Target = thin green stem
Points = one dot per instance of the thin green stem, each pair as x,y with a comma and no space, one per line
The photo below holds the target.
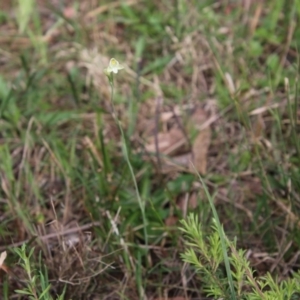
125,150
223,237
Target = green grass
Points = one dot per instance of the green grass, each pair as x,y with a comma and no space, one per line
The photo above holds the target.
62,162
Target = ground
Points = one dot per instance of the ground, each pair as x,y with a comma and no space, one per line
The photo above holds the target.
95,180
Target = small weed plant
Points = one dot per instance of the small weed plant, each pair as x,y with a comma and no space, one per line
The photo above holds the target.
36,286
205,254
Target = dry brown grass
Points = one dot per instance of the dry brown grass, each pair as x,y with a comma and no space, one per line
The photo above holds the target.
209,105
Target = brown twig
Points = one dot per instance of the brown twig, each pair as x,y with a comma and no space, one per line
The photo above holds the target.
52,235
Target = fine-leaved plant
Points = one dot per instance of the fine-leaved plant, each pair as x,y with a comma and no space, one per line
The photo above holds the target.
37,286
204,253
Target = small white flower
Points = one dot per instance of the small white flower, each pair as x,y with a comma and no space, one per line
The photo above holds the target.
114,66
